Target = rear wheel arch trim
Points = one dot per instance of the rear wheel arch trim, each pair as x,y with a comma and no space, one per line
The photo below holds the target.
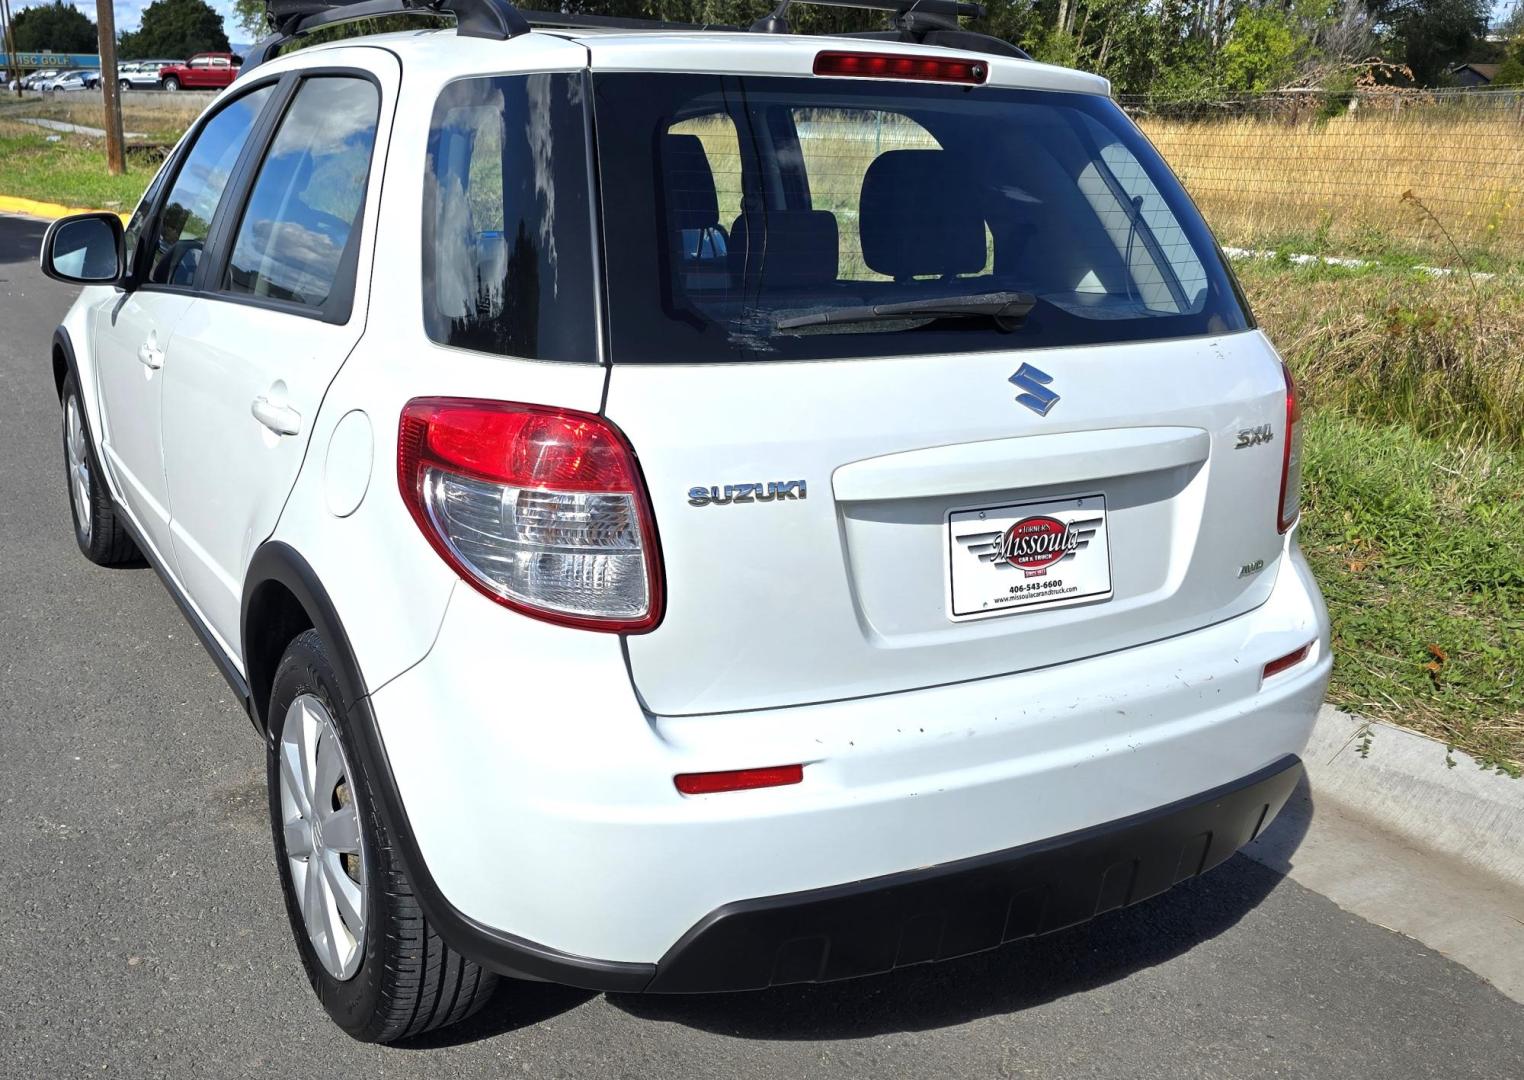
64,361
498,950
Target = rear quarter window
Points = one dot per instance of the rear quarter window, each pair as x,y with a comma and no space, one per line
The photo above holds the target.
507,219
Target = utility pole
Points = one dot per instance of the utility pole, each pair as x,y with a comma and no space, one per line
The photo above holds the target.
116,156
8,40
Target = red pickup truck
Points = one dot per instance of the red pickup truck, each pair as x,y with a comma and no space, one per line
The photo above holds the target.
204,71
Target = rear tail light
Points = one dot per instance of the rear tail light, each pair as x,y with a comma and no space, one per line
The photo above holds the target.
542,510
1291,460
898,66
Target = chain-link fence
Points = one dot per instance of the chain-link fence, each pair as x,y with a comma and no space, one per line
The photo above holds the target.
1435,176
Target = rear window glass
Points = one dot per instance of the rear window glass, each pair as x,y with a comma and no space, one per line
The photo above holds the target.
507,219
765,218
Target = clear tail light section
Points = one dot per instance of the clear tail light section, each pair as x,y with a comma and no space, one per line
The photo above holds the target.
1290,506
543,510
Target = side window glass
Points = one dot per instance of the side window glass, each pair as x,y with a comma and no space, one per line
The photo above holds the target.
307,197
198,188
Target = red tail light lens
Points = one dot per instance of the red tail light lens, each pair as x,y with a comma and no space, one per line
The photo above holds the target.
898,66
542,510
708,783
1290,506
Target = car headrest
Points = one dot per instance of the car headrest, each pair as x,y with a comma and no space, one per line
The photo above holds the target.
914,220
692,202
786,249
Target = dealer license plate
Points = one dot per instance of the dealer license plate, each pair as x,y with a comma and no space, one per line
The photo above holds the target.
1037,554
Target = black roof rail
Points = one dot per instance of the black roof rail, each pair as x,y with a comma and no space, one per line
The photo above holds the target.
922,22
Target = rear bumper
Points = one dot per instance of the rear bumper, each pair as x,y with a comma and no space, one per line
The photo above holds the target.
544,831
940,912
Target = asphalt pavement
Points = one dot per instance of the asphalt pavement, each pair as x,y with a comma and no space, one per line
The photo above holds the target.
142,932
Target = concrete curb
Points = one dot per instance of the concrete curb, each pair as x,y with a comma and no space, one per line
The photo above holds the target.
1403,785
14,204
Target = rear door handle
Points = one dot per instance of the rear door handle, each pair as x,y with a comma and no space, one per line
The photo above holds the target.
281,419
151,355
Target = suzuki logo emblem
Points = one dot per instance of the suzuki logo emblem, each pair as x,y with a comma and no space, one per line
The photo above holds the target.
1037,397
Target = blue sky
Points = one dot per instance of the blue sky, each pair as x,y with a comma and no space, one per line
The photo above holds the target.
130,12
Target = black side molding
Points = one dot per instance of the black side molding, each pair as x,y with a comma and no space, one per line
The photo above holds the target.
503,952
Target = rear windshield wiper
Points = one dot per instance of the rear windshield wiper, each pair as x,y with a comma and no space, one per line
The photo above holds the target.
1008,309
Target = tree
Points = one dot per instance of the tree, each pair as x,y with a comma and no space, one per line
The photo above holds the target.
1261,52
55,27
251,18
1431,36
1511,71
175,28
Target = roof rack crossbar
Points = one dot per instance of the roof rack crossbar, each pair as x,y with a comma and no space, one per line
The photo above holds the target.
497,20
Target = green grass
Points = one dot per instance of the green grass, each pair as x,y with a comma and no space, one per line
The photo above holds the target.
70,171
1419,547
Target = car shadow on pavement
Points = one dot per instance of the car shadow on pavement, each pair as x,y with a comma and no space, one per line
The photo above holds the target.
1015,977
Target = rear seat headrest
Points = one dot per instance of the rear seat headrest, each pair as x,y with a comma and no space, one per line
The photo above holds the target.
691,198
786,249
915,221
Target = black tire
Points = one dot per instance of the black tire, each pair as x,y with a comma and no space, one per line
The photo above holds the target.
101,534
171,83
123,85
409,981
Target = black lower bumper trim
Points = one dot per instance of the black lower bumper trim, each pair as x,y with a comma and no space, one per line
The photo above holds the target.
963,907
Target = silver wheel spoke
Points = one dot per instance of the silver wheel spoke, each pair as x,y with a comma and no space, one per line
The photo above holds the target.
330,770
291,779
298,839
341,832
346,895
313,910
305,736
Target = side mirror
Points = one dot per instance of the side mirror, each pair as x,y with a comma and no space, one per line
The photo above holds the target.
85,249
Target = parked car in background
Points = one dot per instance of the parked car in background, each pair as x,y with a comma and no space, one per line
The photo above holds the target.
139,73
35,80
203,71
73,80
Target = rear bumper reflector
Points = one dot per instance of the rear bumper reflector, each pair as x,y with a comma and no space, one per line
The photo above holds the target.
708,783
1290,660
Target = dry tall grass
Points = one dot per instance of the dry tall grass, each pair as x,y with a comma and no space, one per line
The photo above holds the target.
1338,185
1443,354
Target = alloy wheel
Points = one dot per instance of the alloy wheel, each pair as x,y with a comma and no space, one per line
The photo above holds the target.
321,826
77,454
